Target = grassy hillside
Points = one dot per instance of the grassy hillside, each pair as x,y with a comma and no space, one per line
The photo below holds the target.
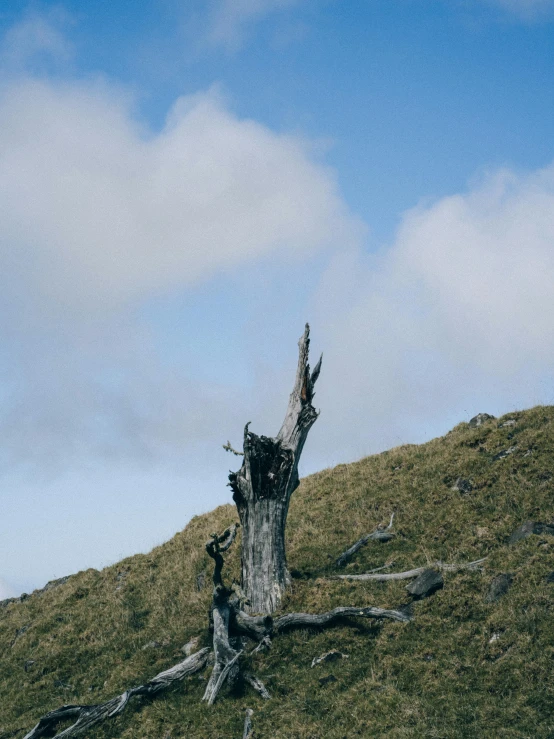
463,667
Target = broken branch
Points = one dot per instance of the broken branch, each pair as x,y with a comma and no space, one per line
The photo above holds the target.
385,577
309,620
89,716
380,534
247,733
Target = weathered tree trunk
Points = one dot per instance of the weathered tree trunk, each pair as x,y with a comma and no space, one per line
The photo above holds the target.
263,486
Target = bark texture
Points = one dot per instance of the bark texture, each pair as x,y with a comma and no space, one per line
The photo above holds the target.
321,620
408,574
263,486
247,732
88,716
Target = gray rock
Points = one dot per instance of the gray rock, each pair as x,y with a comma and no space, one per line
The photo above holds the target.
427,583
462,486
480,419
499,586
504,453
509,422
152,645
200,581
531,527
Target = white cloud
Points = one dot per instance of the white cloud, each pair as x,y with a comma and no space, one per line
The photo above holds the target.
6,590
100,211
456,317
99,215
229,18
36,37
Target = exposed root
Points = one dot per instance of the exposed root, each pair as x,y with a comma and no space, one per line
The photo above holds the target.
381,533
89,716
257,684
307,620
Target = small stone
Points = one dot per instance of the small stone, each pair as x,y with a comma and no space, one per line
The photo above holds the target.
504,453
494,637
509,422
331,656
28,664
462,486
151,645
426,584
328,679
200,581
499,586
480,419
531,527
191,646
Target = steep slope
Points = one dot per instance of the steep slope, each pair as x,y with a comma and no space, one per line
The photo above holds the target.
464,667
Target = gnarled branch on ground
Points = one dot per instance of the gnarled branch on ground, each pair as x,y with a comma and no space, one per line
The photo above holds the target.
408,574
89,716
381,533
247,732
309,620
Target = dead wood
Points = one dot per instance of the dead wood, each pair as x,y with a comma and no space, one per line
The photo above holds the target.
385,577
263,486
225,655
247,733
381,533
89,716
257,684
321,620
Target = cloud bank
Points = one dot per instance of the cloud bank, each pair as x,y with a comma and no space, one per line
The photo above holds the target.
456,316
100,211
101,215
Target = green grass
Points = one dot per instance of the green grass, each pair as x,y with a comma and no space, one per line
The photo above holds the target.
438,676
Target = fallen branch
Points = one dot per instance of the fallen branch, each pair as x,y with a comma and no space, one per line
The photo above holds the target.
385,577
381,533
89,716
257,684
247,733
310,620
217,681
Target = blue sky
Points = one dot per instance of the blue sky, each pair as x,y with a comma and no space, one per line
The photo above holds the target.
183,185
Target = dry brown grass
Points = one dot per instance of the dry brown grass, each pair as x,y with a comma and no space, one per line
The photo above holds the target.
439,676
